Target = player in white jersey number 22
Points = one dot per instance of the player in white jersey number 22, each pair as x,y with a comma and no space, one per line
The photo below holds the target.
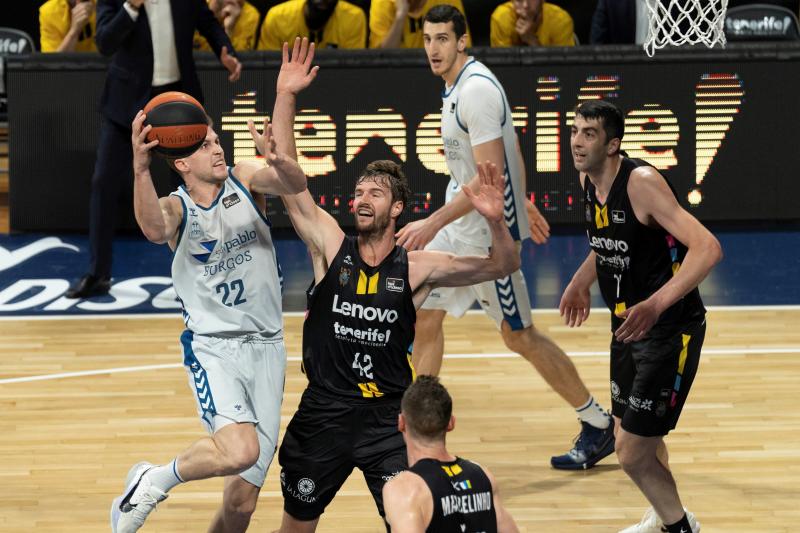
226,275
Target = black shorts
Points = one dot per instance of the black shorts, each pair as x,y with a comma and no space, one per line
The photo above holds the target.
651,378
328,437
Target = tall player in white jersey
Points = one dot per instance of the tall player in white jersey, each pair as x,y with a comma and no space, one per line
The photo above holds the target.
226,275
477,126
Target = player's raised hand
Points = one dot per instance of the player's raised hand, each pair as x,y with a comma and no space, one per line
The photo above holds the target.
296,71
575,305
488,201
141,147
265,142
540,229
267,146
231,64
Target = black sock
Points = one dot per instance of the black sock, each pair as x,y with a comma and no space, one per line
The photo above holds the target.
681,526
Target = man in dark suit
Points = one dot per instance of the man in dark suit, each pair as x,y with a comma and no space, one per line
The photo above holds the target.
150,42
615,22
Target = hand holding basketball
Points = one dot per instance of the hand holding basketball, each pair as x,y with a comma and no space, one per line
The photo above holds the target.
141,147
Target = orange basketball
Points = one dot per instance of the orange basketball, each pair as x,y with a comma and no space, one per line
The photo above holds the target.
179,123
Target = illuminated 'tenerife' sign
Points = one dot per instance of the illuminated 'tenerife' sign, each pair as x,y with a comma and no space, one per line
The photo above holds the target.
652,131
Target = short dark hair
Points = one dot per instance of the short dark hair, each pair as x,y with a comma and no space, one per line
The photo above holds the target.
427,407
609,115
388,173
446,13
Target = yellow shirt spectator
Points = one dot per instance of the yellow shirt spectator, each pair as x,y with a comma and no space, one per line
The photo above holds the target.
243,32
346,27
382,14
67,26
555,27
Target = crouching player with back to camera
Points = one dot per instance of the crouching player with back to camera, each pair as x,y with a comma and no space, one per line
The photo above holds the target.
648,255
440,493
226,274
360,320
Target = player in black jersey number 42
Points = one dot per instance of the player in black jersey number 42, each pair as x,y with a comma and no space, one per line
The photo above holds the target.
360,320
440,493
648,255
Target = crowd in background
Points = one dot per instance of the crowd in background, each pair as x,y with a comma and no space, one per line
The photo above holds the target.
69,25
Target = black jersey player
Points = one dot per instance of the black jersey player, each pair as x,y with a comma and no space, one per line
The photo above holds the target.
440,492
648,255
360,320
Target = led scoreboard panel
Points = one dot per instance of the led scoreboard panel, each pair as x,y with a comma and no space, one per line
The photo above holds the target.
720,128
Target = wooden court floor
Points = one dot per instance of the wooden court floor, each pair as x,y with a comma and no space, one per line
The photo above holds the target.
67,442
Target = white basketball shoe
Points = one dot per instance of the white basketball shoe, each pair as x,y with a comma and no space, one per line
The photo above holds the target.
651,523
131,508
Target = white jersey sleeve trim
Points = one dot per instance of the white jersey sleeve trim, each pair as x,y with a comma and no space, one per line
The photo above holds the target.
182,227
249,196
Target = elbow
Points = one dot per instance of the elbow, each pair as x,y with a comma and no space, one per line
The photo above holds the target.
300,187
154,235
715,250
103,45
510,263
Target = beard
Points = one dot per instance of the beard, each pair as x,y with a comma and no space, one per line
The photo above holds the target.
374,228
318,13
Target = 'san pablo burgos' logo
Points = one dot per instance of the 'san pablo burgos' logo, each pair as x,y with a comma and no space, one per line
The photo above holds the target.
228,255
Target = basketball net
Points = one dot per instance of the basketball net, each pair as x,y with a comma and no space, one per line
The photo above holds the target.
685,22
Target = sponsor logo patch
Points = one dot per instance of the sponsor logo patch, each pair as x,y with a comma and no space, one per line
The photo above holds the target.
231,200
395,284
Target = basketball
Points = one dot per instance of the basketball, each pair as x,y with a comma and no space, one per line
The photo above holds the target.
179,123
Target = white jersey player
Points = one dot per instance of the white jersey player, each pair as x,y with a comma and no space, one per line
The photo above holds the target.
477,126
227,277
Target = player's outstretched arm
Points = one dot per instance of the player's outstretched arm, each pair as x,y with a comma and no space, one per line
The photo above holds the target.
653,201
159,219
318,229
449,270
505,523
576,301
417,234
403,499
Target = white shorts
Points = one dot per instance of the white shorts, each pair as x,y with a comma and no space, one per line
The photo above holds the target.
238,379
503,299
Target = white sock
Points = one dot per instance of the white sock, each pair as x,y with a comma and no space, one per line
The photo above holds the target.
593,414
165,476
